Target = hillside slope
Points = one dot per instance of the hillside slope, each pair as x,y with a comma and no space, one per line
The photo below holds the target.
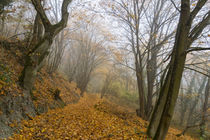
15,103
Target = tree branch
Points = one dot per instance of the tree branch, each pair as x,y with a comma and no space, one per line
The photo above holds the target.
175,6
197,49
195,11
196,31
196,71
64,11
126,66
47,24
40,10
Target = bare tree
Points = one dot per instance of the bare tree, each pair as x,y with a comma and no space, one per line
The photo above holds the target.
145,45
109,77
204,110
186,34
160,31
86,54
193,116
60,42
36,56
57,52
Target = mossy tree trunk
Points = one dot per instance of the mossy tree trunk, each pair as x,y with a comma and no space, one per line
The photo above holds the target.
141,91
204,111
185,36
35,57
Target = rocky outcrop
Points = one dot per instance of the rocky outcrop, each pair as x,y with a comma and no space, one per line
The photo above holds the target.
13,110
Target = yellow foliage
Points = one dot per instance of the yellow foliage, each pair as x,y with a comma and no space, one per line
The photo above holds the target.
91,118
193,4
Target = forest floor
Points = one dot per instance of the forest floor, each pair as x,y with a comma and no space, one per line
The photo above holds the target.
89,119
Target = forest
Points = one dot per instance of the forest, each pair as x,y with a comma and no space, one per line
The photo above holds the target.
105,69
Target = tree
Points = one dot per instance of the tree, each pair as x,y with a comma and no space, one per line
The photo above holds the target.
3,4
144,45
194,103
204,110
109,78
130,13
86,54
160,31
38,31
56,53
186,34
60,42
35,57
186,99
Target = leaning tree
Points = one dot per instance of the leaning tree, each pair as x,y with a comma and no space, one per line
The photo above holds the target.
188,30
39,51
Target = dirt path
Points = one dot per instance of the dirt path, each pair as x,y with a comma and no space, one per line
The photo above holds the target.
90,119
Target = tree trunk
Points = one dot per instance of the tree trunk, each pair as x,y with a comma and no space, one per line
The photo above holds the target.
141,94
56,53
36,56
38,31
33,63
103,91
82,85
107,82
185,36
3,22
204,112
156,115
169,91
151,72
172,94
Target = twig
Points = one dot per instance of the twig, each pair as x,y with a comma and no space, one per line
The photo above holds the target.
175,6
18,34
197,71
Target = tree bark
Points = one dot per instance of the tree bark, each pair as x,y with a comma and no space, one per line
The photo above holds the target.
33,63
204,111
142,99
151,72
164,109
38,31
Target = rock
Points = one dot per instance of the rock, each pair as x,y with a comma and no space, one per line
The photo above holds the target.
14,109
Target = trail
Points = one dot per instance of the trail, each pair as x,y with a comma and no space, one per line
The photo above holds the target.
90,119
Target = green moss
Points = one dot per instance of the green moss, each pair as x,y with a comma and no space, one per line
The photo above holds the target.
5,73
